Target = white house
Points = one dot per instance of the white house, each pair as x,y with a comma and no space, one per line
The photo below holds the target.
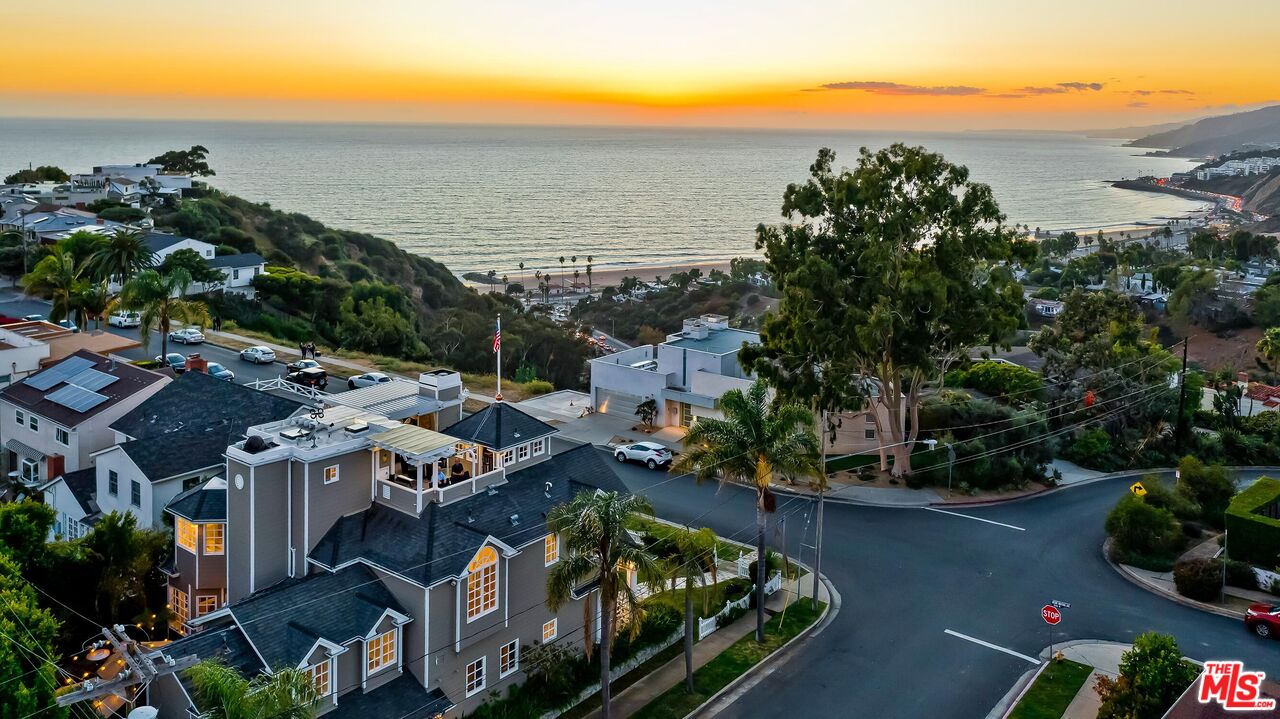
20,356
72,497
239,270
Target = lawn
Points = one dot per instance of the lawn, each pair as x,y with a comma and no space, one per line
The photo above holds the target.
725,550
732,663
1054,689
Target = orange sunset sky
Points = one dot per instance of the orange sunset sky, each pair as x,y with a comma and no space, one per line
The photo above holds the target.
904,64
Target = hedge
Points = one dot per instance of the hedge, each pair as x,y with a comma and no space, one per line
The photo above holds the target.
1251,536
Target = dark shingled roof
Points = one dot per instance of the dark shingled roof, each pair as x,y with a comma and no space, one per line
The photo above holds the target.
178,453
83,484
441,541
129,381
285,620
244,259
401,698
499,426
202,503
197,401
220,639
158,241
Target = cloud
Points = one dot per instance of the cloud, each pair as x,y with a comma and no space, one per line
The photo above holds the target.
1008,95
1137,103
894,88
1060,88
1145,93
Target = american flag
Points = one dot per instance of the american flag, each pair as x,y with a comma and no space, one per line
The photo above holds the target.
497,339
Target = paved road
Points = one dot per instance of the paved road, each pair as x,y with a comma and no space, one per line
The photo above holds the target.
907,575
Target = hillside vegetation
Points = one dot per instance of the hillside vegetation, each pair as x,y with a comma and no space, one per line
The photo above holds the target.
360,292
1218,135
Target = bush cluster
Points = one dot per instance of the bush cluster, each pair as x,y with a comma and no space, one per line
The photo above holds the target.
1199,579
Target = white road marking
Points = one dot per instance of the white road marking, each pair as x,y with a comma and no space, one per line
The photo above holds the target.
989,645
976,519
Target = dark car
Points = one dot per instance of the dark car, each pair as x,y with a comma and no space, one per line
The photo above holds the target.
299,365
1263,620
174,361
313,377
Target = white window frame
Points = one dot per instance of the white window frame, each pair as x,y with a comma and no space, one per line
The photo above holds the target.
509,658
181,610
384,661
62,436
27,463
330,479
550,630
550,549
180,528
135,484
222,538
20,417
475,685
538,446
522,452
315,670
488,600
33,422
199,597
508,457
113,483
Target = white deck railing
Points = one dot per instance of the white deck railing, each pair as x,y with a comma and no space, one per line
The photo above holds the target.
281,384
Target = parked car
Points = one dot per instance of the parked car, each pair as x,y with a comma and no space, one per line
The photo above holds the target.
174,361
652,454
368,379
125,319
216,370
33,318
68,325
314,377
258,354
1263,620
187,336
301,365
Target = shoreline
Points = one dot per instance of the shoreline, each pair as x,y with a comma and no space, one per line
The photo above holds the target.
609,274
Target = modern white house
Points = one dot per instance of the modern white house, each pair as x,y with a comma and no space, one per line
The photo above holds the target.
20,356
239,270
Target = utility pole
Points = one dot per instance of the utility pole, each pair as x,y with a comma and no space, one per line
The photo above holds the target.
822,486
141,667
1182,397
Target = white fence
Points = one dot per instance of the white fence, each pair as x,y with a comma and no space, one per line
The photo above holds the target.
773,585
708,625
280,384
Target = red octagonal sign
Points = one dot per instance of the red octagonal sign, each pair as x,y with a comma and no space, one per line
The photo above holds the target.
1051,614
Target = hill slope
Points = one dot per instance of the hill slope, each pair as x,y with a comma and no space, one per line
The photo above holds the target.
1217,135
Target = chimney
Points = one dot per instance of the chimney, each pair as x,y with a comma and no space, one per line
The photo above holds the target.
55,465
1242,377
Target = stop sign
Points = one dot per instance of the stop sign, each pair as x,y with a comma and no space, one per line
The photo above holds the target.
1051,614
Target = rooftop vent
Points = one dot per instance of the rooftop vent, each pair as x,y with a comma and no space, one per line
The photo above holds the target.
255,444
492,491
358,427
546,490
515,519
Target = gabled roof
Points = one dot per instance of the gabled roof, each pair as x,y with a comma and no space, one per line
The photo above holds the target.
244,259
439,543
159,241
499,426
83,485
73,406
284,621
170,455
219,639
400,698
197,401
206,502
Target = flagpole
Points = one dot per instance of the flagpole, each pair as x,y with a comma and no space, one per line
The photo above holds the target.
498,347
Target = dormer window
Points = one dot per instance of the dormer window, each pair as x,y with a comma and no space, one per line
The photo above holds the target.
319,674
482,583
380,652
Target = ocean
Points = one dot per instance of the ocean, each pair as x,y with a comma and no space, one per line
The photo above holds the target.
488,197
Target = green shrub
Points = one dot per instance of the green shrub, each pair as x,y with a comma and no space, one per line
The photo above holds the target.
1209,486
999,379
1159,495
1093,449
1140,528
736,589
538,386
1240,574
1255,536
1199,579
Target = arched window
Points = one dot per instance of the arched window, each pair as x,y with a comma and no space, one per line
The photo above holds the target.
482,583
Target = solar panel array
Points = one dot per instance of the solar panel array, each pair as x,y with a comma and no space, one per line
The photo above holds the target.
76,399
91,379
60,372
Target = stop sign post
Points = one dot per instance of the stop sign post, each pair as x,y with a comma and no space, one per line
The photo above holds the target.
1050,614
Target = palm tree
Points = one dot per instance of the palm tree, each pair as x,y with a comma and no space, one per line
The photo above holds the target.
159,298
59,278
97,303
284,694
589,260
575,279
120,255
694,556
522,278
752,442
599,549
562,274
1269,348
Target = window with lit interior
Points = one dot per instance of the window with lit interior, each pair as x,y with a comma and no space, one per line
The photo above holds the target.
381,651
213,538
475,676
187,533
550,630
550,550
482,583
178,605
508,658
320,677
205,604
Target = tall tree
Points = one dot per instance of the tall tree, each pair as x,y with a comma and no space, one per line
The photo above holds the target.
120,255
126,555
889,273
224,694
598,547
159,299
28,673
1268,349
694,556
752,441
59,278
185,162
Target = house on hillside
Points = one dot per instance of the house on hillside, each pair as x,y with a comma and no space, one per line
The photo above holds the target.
54,421
239,270
401,567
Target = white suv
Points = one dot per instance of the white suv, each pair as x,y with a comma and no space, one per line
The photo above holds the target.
652,454
125,319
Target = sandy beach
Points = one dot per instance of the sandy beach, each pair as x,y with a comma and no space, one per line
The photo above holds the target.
609,275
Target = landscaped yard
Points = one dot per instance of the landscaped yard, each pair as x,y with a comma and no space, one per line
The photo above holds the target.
732,663
1054,689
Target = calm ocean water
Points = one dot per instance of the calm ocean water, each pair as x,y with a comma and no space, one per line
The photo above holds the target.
480,198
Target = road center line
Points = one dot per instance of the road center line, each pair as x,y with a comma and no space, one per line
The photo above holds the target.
976,519
989,645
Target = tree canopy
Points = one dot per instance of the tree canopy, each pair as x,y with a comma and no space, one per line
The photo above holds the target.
185,162
889,272
44,173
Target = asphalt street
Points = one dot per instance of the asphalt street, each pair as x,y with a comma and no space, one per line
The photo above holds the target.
907,576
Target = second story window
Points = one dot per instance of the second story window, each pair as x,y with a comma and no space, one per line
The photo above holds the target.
205,604
381,651
550,550
320,677
213,536
331,474
475,676
482,583
178,605
34,423
523,452
22,418
508,658
113,485
135,493
62,436
187,533
550,630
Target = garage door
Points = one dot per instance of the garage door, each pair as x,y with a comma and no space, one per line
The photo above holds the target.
617,403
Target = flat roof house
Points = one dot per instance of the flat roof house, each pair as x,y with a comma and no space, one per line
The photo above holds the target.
54,420
402,567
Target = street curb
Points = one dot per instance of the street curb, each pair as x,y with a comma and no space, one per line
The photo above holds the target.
765,667
1161,591
1021,686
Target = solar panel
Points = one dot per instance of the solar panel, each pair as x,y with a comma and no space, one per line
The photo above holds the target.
59,373
76,399
92,379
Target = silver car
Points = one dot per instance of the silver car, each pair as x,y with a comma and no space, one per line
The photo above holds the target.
368,379
258,354
187,336
651,454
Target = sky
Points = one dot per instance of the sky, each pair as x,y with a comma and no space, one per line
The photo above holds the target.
901,64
